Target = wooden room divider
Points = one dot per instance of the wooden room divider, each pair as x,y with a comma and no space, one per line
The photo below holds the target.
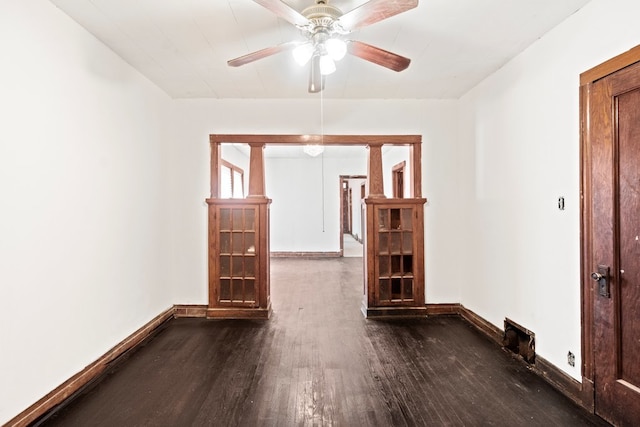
239,282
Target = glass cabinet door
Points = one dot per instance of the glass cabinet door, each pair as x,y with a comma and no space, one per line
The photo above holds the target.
395,255
237,258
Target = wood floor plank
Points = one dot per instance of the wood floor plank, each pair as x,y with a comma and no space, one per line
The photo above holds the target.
318,362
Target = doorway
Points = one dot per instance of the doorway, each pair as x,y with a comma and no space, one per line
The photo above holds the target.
352,214
610,111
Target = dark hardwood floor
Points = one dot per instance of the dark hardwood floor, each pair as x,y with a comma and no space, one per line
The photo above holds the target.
318,362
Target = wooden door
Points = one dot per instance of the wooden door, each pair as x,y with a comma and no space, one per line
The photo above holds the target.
613,137
346,227
363,218
350,211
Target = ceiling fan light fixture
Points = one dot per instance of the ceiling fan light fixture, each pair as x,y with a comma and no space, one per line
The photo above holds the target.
324,27
327,66
302,54
336,48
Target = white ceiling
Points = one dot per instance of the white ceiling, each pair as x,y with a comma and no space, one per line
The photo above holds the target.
183,45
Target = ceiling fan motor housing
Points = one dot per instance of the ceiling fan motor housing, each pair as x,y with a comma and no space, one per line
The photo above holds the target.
322,16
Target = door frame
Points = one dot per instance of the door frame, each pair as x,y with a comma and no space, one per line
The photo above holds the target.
343,179
587,290
397,179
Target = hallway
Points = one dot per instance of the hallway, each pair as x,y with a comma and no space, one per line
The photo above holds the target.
317,361
352,248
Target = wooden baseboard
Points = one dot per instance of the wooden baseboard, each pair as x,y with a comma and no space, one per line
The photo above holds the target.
452,309
189,310
391,312
579,393
91,372
495,333
238,313
478,322
306,254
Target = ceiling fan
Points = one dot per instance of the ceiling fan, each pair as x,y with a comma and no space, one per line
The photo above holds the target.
324,27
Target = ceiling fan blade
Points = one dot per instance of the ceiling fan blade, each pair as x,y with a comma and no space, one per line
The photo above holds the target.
378,56
284,11
263,53
374,11
316,79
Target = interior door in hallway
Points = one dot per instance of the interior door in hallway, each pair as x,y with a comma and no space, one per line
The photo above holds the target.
346,206
614,139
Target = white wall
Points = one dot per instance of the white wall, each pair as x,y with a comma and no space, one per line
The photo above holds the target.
390,158
196,119
82,168
519,138
305,212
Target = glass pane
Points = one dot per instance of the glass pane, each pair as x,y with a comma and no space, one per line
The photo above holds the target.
237,244
225,219
396,243
225,182
384,290
395,219
384,266
383,219
384,242
250,219
236,290
396,287
408,288
396,261
407,223
225,243
407,242
250,290
238,191
407,265
225,266
237,269
225,290
249,266
250,243
237,219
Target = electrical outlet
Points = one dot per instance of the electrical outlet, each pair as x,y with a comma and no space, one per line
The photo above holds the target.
571,359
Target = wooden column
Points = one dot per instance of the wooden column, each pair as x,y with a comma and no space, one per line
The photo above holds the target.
374,171
415,157
215,169
256,171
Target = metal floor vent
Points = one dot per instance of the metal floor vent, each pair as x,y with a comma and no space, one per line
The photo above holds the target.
519,340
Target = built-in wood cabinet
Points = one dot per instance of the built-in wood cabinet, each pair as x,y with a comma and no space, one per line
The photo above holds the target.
395,261
238,258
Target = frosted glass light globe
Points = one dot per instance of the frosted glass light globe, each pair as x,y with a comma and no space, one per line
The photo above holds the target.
336,48
327,66
302,54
